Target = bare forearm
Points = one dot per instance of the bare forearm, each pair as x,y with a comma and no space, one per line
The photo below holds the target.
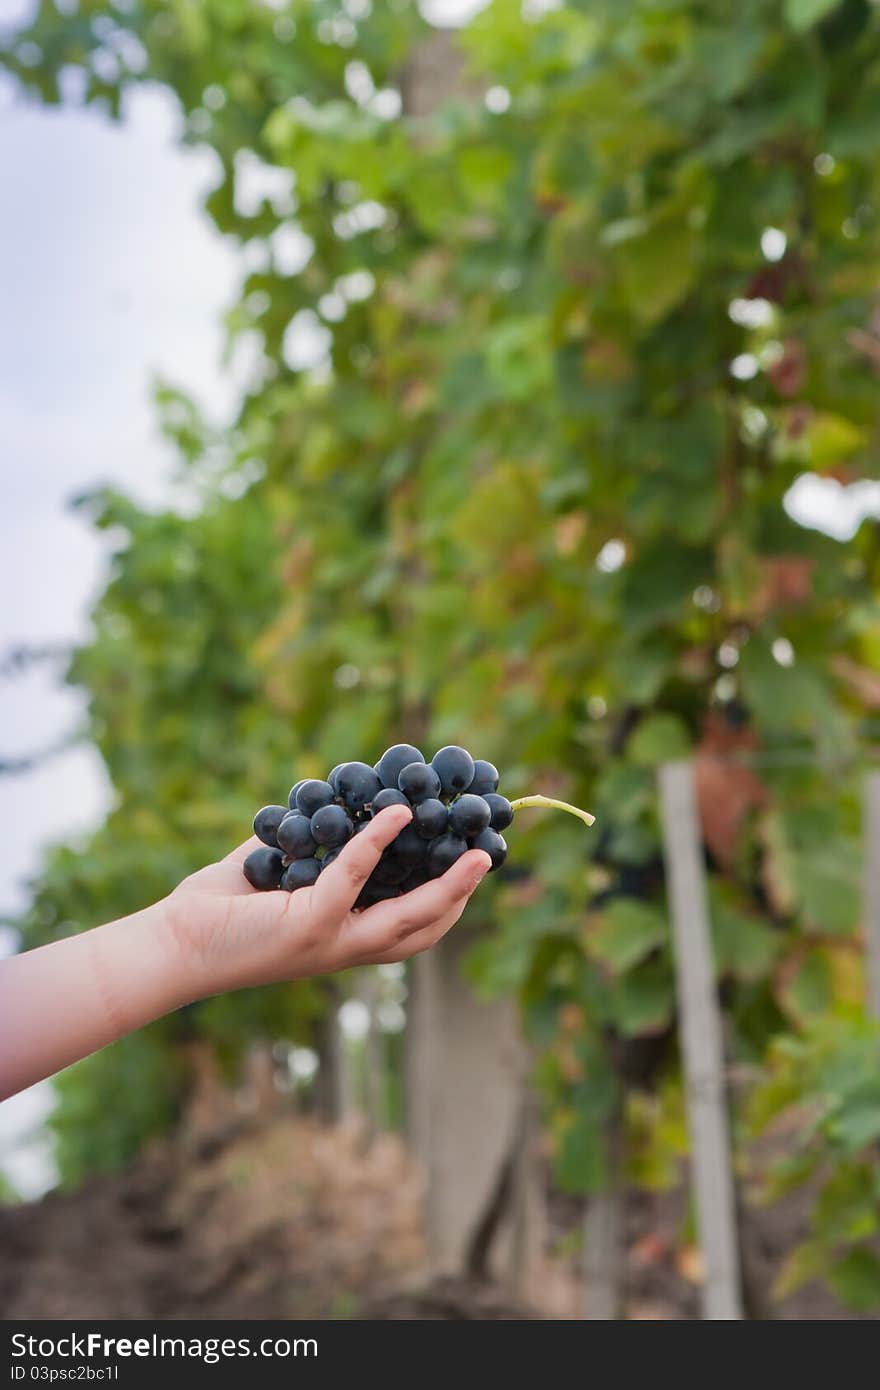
60,1002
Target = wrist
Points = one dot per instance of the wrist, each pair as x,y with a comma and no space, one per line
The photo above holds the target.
139,971
186,937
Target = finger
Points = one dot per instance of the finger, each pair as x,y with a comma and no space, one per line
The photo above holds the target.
337,888
421,940
382,927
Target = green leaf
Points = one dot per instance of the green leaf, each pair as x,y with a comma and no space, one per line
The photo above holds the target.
857,1122
580,1131
828,885
809,992
659,739
805,1263
743,945
643,1001
658,585
803,14
789,698
626,931
832,438
847,1207
639,671
856,1280
657,268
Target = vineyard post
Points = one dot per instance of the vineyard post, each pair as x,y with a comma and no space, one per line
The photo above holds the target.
701,1045
872,889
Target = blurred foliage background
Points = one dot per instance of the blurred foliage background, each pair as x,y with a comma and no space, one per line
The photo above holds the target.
548,319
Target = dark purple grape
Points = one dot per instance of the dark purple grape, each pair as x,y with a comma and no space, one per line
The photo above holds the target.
389,870
312,795
327,859
418,782
443,853
357,784
485,778
388,797
416,878
455,768
500,809
302,873
263,868
468,815
409,847
493,844
373,893
430,818
291,799
394,760
295,836
331,776
331,827
266,823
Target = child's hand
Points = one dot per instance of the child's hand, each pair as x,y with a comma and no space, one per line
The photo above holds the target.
228,935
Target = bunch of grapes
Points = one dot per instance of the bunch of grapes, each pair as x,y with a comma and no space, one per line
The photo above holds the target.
455,807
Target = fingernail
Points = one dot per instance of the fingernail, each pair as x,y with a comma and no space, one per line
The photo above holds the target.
479,875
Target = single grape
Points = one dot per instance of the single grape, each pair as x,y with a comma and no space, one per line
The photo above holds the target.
266,823
468,815
357,784
485,778
331,826
394,760
388,797
409,847
327,859
443,852
291,799
295,836
312,795
389,870
430,818
455,768
331,776
263,868
494,845
500,809
418,782
302,873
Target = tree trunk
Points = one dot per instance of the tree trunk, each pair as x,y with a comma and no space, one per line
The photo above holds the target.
603,1236
466,1097
469,1116
333,1083
374,1057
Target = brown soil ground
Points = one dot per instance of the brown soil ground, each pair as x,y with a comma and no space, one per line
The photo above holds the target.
283,1218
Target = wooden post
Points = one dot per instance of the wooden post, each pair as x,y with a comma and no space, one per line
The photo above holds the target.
872,890
700,1034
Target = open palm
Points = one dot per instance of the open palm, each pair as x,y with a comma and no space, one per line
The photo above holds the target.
240,937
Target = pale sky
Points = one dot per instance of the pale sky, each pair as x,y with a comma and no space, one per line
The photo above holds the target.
109,274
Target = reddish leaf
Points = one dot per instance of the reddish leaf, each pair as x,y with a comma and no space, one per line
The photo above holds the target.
786,580
726,791
789,372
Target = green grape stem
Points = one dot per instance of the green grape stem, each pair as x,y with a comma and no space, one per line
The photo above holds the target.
524,802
